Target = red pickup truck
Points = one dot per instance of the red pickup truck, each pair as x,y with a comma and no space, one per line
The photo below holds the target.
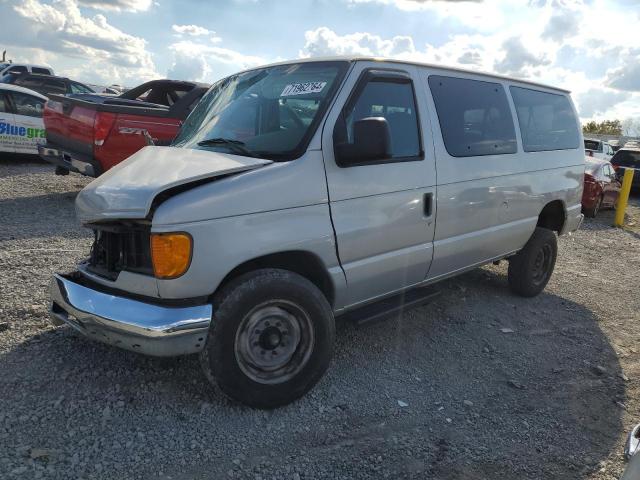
89,134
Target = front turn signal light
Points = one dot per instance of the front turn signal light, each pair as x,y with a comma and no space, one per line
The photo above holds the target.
170,254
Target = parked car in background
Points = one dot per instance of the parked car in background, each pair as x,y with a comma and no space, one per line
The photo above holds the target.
24,68
615,145
21,126
628,157
601,186
46,84
598,149
299,191
89,134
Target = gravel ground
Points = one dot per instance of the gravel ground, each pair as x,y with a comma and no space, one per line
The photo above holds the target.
479,384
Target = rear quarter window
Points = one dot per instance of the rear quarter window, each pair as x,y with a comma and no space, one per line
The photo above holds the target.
547,121
475,118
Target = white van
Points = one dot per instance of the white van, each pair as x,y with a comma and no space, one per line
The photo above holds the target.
21,125
300,191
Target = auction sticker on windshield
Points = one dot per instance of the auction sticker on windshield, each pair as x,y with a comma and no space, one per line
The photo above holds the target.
302,88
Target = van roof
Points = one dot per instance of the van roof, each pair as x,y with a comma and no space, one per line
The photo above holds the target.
356,58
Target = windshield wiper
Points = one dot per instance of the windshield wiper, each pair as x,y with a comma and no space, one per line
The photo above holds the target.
235,145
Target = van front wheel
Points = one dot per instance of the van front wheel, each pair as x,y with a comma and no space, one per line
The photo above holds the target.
271,338
531,268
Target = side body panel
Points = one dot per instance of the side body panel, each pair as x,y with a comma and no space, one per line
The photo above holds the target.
383,231
488,206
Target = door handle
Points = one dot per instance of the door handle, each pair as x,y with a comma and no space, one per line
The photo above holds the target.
428,204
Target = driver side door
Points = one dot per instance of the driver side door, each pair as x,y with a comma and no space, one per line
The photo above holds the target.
383,211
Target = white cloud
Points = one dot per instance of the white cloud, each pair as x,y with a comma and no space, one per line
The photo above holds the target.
107,54
325,42
598,101
191,30
117,5
517,57
206,63
482,15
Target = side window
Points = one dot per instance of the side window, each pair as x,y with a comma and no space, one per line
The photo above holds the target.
27,104
4,107
18,69
391,98
43,71
79,88
547,121
475,118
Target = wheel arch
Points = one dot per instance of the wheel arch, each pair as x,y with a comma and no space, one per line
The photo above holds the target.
553,216
302,262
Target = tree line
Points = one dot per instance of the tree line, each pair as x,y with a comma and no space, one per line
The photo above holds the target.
628,127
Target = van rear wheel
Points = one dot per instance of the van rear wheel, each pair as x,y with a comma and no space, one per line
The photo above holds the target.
531,268
271,338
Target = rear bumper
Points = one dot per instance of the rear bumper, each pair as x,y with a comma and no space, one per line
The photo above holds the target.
74,162
141,327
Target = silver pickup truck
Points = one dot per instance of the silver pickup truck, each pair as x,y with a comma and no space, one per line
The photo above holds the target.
300,191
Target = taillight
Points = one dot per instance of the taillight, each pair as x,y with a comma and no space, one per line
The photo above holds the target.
589,178
102,126
615,167
590,153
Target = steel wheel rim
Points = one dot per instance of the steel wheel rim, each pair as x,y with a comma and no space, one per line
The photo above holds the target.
542,264
274,342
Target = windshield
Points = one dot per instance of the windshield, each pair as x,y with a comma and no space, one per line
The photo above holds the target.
270,112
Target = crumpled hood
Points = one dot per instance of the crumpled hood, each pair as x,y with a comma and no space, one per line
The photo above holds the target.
127,190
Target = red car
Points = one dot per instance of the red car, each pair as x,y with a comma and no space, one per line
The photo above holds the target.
89,134
601,186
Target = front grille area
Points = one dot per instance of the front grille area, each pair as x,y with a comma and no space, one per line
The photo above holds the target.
119,247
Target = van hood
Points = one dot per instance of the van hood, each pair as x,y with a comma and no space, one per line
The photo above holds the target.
127,190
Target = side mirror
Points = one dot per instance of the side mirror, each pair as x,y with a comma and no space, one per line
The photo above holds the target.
371,142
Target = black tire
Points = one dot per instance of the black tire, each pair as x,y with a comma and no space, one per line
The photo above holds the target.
531,268
271,338
593,211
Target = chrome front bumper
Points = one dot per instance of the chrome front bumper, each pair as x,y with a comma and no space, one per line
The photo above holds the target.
130,324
